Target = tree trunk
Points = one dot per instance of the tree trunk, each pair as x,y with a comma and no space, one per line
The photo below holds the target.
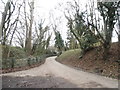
108,29
118,17
29,28
2,26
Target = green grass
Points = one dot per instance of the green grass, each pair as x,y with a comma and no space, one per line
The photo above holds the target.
69,53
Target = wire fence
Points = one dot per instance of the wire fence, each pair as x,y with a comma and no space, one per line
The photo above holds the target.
15,63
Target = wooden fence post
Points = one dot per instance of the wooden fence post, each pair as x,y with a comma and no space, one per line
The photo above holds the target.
29,61
12,63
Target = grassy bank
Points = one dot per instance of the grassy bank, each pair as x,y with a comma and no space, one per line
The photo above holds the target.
92,61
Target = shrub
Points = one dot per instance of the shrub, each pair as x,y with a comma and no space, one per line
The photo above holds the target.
15,52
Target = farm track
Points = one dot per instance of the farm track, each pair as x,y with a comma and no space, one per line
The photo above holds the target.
53,74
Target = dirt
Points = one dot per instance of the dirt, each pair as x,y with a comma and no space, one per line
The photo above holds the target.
93,61
52,74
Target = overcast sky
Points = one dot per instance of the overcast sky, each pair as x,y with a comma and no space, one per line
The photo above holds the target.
43,8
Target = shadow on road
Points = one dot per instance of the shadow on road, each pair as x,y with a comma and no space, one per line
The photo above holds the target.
35,82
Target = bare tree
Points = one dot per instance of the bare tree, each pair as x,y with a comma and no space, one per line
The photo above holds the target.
8,26
6,23
20,35
41,39
29,23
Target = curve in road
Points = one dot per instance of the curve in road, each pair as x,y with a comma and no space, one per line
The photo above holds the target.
80,78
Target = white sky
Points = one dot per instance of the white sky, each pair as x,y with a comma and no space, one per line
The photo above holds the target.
44,7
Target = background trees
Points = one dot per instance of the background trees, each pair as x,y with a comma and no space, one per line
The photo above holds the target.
20,29
41,39
86,28
78,27
72,42
59,43
108,10
7,26
86,25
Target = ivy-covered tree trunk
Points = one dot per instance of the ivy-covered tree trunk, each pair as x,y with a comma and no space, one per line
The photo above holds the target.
118,13
107,11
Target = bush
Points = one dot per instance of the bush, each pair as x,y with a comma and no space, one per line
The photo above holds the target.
15,52
13,63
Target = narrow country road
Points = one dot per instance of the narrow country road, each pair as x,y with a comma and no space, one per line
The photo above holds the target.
53,74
